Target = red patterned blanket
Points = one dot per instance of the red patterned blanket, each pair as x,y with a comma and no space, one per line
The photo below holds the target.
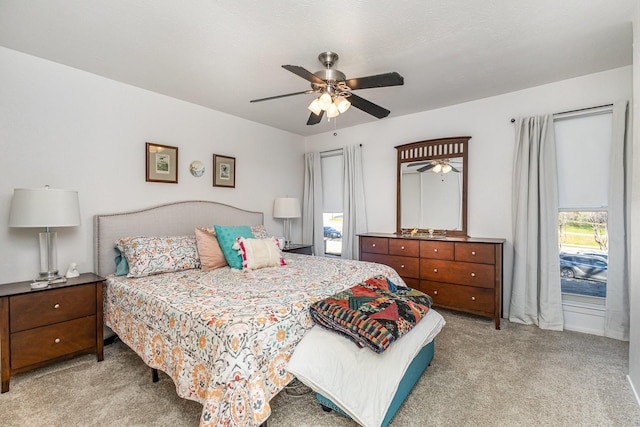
374,313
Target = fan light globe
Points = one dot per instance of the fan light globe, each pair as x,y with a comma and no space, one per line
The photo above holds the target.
437,168
325,101
446,168
333,111
343,104
314,107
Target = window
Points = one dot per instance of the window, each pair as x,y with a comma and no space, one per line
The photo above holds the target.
332,190
583,146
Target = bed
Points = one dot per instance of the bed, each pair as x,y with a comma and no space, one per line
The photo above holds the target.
224,336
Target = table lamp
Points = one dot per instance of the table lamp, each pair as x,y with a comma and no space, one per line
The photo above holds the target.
287,208
45,207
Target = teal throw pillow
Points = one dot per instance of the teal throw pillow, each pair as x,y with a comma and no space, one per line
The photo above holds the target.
122,266
227,237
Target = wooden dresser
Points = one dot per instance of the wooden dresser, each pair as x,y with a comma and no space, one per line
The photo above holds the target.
459,273
39,326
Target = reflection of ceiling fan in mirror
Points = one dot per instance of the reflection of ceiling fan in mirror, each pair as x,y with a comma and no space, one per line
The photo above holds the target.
335,91
436,166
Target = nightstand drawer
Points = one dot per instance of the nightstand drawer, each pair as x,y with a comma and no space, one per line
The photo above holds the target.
44,308
50,342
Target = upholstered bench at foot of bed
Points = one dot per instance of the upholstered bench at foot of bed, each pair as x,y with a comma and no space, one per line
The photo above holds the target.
409,380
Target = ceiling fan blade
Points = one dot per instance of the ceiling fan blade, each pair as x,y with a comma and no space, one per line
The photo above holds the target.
379,80
410,165
304,73
368,106
281,96
425,168
314,118
454,169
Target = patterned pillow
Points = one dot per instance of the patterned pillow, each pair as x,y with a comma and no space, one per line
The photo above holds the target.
259,253
227,237
155,255
259,232
211,256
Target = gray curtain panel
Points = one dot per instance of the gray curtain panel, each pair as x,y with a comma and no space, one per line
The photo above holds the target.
353,204
536,296
312,231
617,314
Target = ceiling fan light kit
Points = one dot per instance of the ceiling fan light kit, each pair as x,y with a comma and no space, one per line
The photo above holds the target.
335,91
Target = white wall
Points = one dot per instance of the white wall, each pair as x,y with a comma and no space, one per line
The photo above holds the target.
634,333
487,121
74,130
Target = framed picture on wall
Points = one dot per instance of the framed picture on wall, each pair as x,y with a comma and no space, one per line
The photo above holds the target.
161,163
224,171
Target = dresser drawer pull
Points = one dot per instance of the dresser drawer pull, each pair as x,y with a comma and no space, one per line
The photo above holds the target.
401,265
435,270
57,340
435,250
56,306
402,247
473,274
435,292
373,245
473,298
473,253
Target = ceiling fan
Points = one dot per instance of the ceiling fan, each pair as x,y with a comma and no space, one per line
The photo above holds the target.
335,91
436,166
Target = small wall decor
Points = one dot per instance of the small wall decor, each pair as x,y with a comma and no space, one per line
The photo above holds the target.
224,171
161,163
196,168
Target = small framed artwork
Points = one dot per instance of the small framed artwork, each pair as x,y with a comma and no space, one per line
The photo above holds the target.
224,171
162,163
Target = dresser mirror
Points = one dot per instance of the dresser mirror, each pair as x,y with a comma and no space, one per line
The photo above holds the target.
432,187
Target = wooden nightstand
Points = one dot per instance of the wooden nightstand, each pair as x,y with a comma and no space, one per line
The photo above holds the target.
298,248
39,326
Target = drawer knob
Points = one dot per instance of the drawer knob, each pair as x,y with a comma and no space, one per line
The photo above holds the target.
435,292
373,245
473,298
473,253
57,340
435,250
435,270
56,306
401,265
402,247
473,274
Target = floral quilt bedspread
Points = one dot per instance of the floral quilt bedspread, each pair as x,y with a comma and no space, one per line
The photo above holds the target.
374,313
225,336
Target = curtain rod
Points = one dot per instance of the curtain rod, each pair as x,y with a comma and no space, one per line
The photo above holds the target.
334,151
577,111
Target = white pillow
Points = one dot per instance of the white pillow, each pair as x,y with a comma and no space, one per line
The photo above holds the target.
259,253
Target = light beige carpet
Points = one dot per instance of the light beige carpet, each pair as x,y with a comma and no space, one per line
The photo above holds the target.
518,376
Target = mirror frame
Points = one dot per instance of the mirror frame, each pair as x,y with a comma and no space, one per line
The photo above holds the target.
441,148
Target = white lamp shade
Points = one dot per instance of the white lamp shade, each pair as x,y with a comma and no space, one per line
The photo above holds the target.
342,103
325,101
286,207
333,111
44,207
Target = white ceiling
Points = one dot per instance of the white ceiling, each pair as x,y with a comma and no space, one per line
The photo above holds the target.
223,53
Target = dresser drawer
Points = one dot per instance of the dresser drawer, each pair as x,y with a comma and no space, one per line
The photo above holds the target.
409,248
405,266
44,308
462,273
468,298
475,252
437,250
49,342
374,245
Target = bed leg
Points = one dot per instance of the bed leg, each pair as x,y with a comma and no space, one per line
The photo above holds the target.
154,375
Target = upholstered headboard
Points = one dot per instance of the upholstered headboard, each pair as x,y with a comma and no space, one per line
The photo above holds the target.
172,219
